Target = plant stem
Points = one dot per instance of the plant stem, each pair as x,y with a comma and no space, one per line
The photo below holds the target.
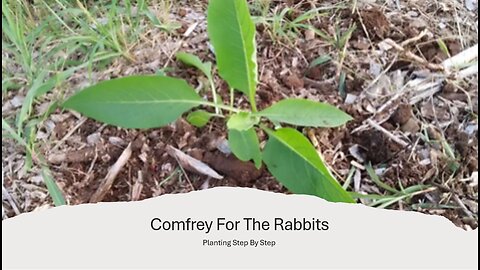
217,115
221,106
231,97
214,94
253,104
264,127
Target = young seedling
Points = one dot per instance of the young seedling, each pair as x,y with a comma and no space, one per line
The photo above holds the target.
155,101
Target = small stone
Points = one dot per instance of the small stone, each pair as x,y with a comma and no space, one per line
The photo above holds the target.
350,99
360,44
37,180
419,23
471,129
411,126
116,141
375,69
182,12
293,81
425,162
412,14
357,153
224,147
93,138
167,167
309,34
384,46
143,157
434,134
471,5
402,114
58,118
17,101
41,135
294,61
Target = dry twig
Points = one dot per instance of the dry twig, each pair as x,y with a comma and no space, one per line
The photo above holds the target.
191,164
387,133
111,175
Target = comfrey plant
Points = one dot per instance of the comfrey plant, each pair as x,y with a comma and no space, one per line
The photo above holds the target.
156,101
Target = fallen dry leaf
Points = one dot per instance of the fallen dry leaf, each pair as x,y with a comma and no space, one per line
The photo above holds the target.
191,164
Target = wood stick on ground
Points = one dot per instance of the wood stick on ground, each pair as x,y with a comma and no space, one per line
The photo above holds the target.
416,38
318,84
191,164
383,73
387,133
471,70
80,123
185,174
111,175
10,200
462,206
461,58
137,187
413,57
90,169
427,87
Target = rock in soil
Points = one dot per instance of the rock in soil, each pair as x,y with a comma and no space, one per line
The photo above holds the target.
402,114
293,81
242,172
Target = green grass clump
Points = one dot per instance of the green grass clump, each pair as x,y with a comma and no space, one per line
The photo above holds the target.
44,43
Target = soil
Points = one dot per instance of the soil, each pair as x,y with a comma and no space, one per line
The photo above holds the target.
375,22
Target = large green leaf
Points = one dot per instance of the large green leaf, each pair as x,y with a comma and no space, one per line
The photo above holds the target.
245,146
291,158
193,60
232,34
136,101
199,118
242,121
302,112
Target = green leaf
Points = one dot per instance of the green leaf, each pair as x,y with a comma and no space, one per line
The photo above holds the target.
443,47
320,60
199,118
232,34
374,177
12,133
52,187
166,26
291,158
136,101
193,60
219,99
242,121
343,39
163,71
245,145
38,89
29,98
302,112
